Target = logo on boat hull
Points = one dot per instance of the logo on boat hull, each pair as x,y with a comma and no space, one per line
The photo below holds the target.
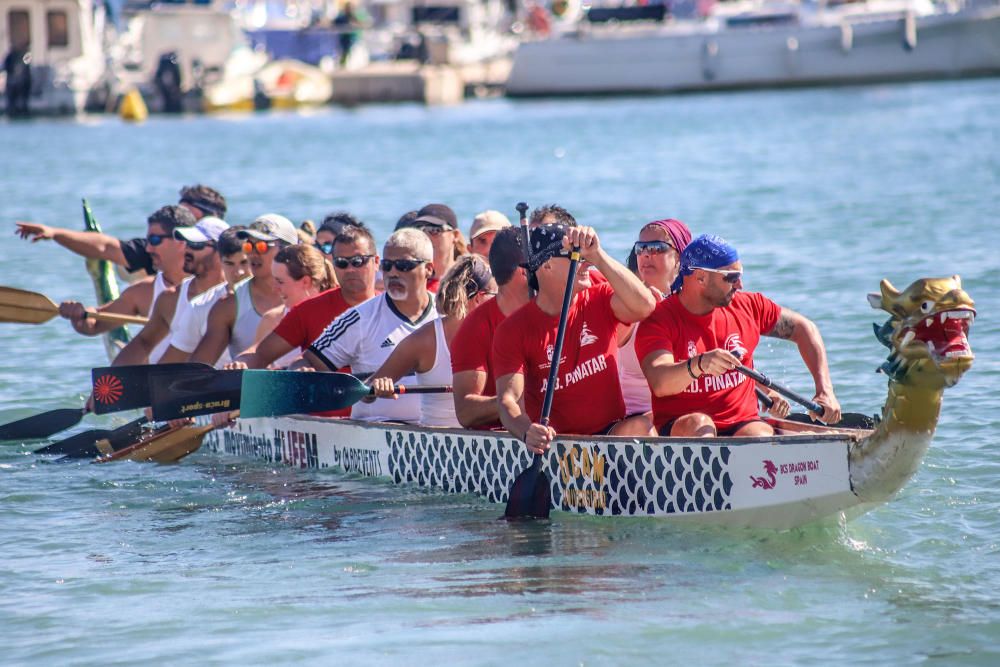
770,480
108,389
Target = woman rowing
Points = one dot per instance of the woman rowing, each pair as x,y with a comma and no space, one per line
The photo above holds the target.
466,285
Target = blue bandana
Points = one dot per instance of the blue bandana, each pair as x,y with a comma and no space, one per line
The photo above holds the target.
705,252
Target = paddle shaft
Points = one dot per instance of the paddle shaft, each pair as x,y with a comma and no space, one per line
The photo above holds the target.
550,389
116,318
422,389
787,393
29,307
522,212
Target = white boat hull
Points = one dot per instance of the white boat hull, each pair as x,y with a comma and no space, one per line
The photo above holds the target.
670,59
778,482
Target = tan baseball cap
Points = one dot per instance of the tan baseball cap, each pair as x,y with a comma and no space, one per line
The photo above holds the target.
488,221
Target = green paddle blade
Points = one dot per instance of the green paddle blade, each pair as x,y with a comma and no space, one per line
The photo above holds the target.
118,388
193,392
41,425
273,393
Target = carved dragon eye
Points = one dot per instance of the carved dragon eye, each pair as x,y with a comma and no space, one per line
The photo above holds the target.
926,307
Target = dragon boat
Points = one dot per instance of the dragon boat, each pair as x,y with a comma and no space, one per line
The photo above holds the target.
801,474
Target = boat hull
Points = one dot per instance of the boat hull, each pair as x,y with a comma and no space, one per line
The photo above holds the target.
779,482
669,59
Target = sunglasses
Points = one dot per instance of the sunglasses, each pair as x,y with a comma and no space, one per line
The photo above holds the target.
731,277
433,230
260,247
357,261
325,248
199,245
654,247
157,239
404,265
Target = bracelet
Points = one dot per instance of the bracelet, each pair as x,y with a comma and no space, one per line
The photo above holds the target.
699,363
690,372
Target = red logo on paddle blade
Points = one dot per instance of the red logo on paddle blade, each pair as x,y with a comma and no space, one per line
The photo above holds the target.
107,389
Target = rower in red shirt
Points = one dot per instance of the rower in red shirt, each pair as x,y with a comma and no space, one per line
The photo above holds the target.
691,344
587,396
473,379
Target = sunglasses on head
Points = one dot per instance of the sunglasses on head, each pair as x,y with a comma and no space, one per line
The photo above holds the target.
325,248
731,277
199,245
404,265
654,247
357,261
260,247
433,230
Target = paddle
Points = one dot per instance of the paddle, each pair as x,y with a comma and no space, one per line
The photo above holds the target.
189,393
118,388
787,393
84,445
531,493
522,212
18,305
41,425
272,393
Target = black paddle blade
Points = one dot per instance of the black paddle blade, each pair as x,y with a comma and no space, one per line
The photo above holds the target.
847,420
118,388
194,392
273,393
531,494
84,445
42,425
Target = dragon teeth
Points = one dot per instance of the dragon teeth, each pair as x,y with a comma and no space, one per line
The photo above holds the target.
944,316
929,321
910,335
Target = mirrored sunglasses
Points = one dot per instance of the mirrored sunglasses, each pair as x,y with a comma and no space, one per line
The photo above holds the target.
653,247
403,265
731,277
357,261
434,230
259,247
325,248
156,239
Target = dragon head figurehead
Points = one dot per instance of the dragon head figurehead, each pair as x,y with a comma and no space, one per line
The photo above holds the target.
927,333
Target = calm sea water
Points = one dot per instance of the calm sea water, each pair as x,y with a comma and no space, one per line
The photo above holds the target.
825,191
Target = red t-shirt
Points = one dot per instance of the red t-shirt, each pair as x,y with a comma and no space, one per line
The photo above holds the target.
729,399
472,346
304,323
588,397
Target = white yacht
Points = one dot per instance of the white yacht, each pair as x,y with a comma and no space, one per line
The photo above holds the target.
635,49
54,55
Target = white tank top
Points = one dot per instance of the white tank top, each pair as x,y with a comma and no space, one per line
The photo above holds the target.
159,286
438,409
247,320
635,389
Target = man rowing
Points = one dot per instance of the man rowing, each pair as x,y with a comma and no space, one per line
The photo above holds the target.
180,315
134,254
696,338
365,335
232,322
587,397
167,255
473,376
440,224
425,353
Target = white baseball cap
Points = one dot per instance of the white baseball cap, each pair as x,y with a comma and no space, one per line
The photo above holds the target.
209,228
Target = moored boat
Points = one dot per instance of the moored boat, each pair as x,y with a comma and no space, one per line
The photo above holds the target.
801,474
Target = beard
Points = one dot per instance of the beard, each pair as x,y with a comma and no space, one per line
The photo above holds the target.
398,291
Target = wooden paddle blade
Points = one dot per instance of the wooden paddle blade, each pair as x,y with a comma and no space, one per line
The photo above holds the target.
18,305
531,494
41,425
194,392
118,388
273,393
84,445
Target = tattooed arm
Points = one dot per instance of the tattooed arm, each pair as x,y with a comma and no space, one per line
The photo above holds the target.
801,331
